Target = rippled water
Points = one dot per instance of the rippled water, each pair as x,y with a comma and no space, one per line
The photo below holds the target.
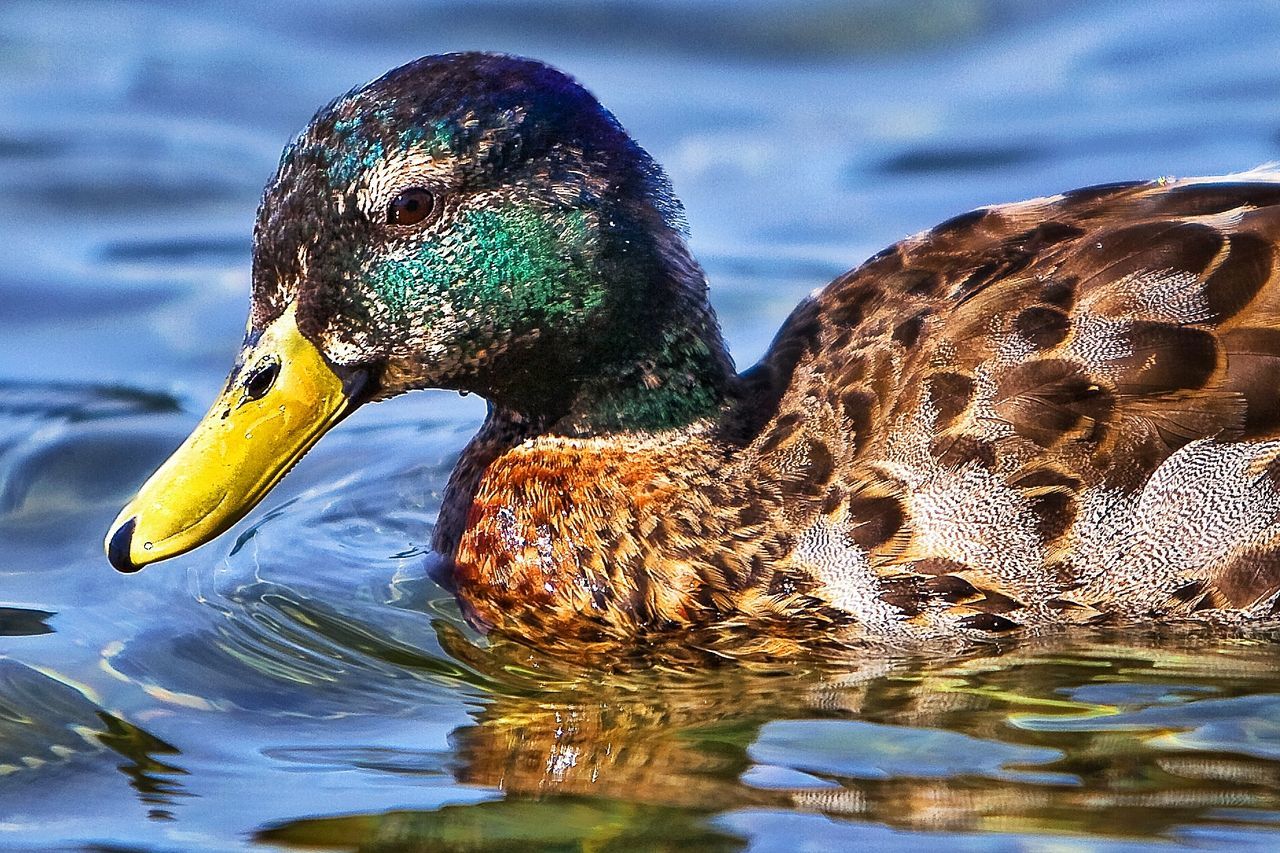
301,683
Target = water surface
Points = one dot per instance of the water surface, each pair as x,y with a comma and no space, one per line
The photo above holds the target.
300,683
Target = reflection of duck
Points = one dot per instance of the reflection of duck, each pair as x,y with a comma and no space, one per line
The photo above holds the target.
991,743
1062,410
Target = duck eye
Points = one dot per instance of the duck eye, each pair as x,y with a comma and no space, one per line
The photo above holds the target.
259,381
410,207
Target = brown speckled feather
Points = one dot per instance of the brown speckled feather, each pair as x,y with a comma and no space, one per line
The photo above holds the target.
1062,410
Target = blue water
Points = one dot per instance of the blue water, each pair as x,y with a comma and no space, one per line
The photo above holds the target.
301,683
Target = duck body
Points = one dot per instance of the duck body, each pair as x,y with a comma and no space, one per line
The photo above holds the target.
1060,411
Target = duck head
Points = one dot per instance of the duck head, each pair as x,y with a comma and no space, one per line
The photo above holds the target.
474,222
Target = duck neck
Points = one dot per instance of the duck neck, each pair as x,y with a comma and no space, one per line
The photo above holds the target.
664,368
658,363
665,364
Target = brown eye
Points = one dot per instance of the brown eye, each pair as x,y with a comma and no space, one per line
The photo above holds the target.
410,207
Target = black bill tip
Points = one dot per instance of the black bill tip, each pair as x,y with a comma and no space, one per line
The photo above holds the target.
118,548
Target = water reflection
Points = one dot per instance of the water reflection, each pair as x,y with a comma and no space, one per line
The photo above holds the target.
1058,738
157,782
553,823
46,722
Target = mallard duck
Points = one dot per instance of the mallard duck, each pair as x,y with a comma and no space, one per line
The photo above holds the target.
1062,410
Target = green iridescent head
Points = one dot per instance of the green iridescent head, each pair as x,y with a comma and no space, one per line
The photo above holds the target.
476,222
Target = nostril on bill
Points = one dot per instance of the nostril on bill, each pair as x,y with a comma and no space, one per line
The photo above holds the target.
259,382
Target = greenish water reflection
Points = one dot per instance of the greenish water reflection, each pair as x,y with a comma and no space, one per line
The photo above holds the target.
1105,737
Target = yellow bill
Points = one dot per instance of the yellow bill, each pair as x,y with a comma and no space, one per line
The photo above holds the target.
284,397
